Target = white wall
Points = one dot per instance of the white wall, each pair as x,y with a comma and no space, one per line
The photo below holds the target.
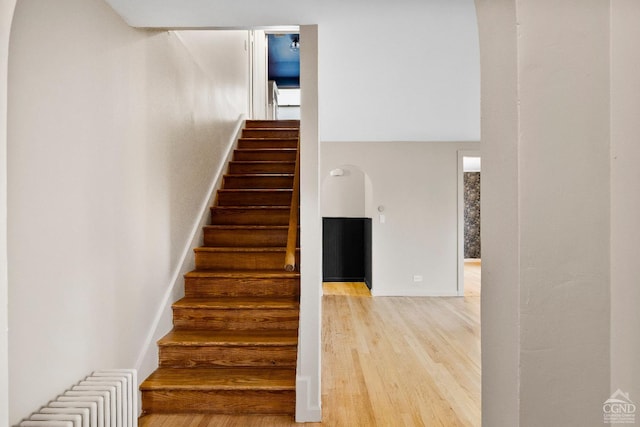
625,200
500,210
114,137
417,185
545,152
564,211
6,16
388,71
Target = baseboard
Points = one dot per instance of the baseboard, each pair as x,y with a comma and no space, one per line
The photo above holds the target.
411,293
306,411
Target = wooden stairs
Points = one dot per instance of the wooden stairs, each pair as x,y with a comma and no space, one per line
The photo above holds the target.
233,347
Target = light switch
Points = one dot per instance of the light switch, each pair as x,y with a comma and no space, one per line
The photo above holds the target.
383,219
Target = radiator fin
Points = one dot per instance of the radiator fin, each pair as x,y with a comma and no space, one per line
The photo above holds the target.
106,398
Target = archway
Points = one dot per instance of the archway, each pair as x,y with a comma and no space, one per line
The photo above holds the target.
346,209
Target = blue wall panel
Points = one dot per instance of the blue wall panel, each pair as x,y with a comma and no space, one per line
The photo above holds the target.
284,62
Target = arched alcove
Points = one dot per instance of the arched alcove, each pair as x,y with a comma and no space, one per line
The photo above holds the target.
346,199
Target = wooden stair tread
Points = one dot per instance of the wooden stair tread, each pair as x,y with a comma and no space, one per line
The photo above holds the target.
266,162
267,138
277,129
254,197
293,123
267,150
251,190
244,274
210,249
234,303
195,337
274,128
246,227
220,379
231,208
250,214
250,207
259,175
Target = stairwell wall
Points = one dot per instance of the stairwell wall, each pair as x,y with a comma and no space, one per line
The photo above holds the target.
6,16
114,135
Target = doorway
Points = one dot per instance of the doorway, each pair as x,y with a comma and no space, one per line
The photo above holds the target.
469,237
275,73
274,65
283,59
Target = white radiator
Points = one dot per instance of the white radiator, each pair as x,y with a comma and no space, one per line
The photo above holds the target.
106,398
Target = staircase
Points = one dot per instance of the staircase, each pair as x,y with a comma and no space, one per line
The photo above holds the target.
233,346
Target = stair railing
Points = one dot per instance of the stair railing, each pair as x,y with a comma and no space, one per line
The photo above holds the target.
292,235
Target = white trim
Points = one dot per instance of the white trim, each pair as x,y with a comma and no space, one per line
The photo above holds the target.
310,330
461,155
411,293
147,357
307,412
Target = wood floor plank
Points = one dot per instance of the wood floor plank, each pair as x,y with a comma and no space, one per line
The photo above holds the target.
472,276
346,288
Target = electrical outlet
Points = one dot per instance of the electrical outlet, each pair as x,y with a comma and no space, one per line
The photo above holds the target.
417,278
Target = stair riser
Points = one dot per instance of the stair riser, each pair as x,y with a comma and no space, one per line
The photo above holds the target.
267,143
250,217
243,168
220,402
236,319
272,124
245,238
244,182
257,156
270,133
241,260
227,287
222,356
254,198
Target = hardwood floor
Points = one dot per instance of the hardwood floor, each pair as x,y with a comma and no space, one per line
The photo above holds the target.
388,362
353,289
472,275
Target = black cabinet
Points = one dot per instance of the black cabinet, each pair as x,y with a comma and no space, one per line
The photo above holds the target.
346,250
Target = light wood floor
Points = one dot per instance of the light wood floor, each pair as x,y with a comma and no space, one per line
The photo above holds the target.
388,361
472,274
352,289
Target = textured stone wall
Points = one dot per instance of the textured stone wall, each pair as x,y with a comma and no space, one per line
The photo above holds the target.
472,214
